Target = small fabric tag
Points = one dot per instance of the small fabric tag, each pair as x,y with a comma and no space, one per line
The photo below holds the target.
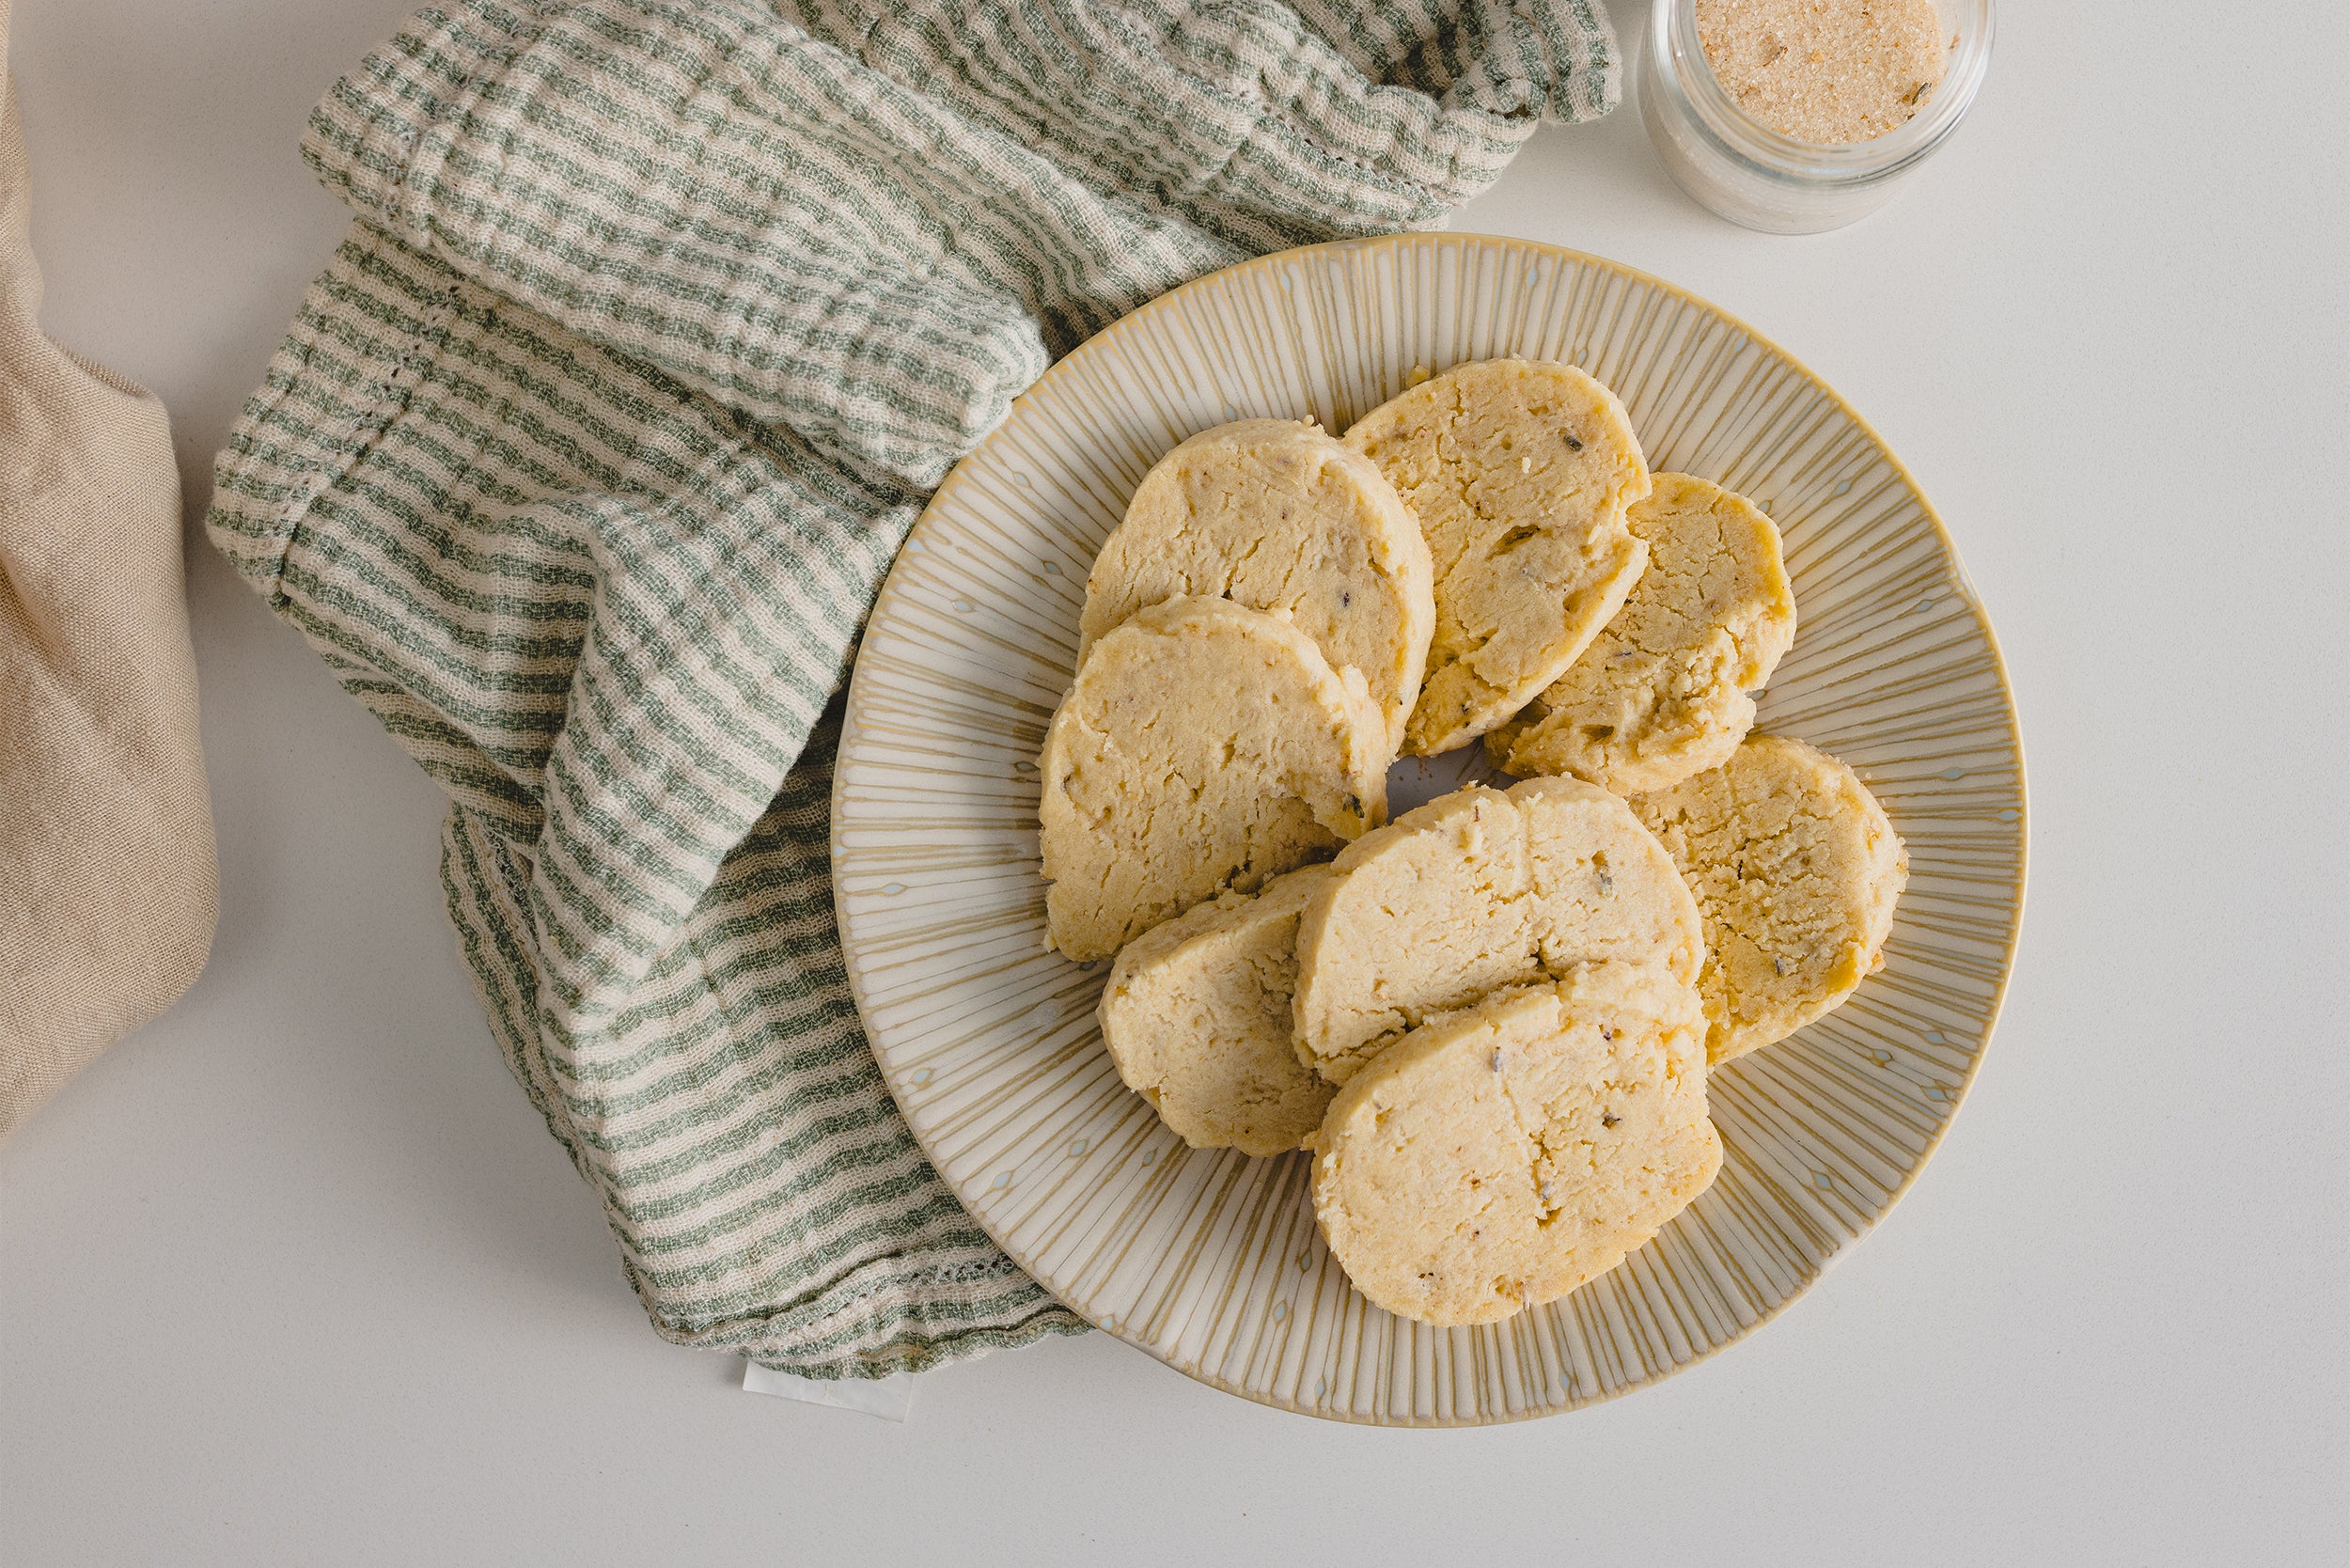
889,1397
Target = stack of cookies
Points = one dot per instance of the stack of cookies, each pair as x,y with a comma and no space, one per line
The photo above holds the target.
1492,1019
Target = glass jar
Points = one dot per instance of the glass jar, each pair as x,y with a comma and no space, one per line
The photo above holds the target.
1764,178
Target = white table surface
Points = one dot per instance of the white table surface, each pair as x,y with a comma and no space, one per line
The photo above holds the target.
295,1274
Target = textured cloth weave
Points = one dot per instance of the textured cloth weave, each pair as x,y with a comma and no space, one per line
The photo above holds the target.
586,456
106,868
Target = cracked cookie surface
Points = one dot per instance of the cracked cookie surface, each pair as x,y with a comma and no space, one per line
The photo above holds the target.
1796,870
1662,691
1500,1156
1197,1016
1480,889
1203,745
1279,516
1519,472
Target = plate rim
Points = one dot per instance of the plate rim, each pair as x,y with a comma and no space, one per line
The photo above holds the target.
1567,254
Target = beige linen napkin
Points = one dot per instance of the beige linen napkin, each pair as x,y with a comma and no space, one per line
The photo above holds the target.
107,879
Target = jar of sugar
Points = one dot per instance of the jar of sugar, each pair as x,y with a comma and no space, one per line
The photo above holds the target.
1798,116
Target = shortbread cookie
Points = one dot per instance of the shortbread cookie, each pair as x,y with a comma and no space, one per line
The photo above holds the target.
1796,870
1275,514
1203,745
1519,472
1197,1013
1476,891
1661,693
1502,1155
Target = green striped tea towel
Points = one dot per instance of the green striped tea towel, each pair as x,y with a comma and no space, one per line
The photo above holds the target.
586,456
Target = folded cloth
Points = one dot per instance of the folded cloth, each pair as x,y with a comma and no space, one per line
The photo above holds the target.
587,455
106,866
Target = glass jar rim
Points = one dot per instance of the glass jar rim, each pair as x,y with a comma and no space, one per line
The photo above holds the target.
1683,68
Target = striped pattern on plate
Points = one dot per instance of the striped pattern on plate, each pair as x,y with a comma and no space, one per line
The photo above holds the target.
1208,1259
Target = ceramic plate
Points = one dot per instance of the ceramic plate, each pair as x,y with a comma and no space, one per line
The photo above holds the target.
1208,1259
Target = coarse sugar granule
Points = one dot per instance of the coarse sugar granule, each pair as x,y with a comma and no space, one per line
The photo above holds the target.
1831,71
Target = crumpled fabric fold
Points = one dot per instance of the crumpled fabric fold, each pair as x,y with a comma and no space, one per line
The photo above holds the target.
108,886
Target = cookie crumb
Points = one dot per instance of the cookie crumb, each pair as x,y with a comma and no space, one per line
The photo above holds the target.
1829,71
